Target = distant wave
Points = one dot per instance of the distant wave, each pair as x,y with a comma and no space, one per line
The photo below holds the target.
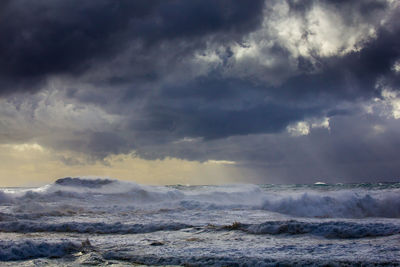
341,203
87,227
85,189
26,249
332,229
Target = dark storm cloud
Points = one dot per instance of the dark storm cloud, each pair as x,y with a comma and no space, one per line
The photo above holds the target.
367,8
216,123
40,38
352,76
98,144
216,108
352,150
355,74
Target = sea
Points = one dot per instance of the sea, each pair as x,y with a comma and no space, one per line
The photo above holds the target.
107,222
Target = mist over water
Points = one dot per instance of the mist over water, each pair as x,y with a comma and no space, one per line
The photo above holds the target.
202,225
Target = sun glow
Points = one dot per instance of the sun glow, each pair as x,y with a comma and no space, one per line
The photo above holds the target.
20,164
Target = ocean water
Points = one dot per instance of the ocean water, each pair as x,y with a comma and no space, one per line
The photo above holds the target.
104,222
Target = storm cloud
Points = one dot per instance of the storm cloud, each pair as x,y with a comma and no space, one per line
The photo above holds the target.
291,91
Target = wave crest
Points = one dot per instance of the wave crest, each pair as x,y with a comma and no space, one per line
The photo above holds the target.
89,227
87,193
332,229
345,204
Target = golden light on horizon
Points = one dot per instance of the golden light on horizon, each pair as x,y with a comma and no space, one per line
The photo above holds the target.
30,164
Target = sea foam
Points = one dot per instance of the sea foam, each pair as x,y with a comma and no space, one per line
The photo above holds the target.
359,203
129,222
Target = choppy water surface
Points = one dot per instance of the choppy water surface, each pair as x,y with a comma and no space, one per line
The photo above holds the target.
101,222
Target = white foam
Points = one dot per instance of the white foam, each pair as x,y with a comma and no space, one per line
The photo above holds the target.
312,203
344,204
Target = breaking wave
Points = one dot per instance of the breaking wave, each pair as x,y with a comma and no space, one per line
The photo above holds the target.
343,203
332,229
329,229
88,227
26,249
88,189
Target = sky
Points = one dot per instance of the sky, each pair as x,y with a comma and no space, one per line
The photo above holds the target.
200,91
